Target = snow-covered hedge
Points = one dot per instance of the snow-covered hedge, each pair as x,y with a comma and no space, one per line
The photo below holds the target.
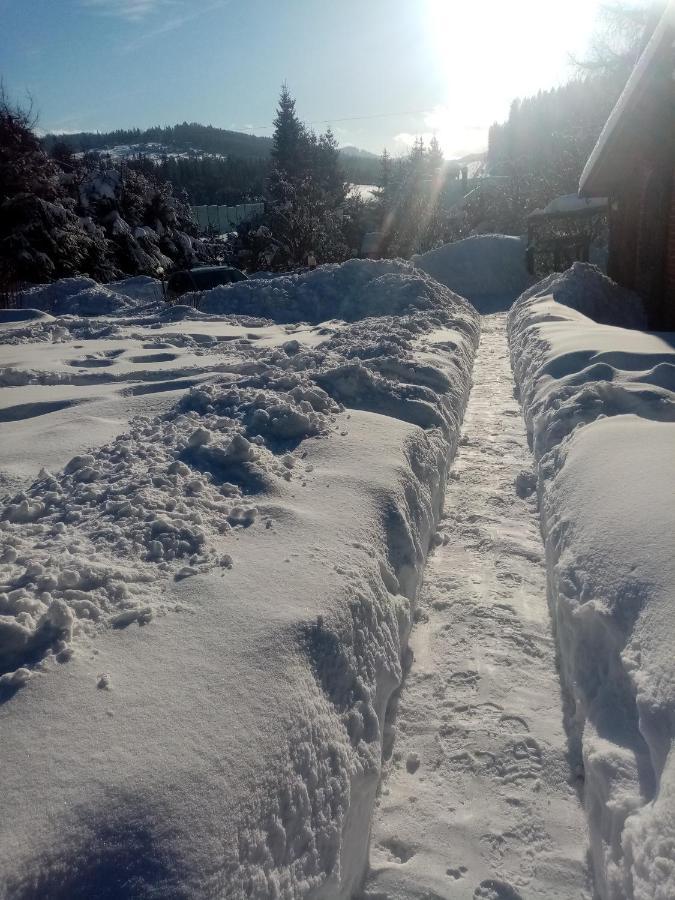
599,403
481,268
270,542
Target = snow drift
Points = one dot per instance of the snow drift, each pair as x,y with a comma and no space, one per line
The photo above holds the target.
489,270
74,296
201,622
350,291
599,403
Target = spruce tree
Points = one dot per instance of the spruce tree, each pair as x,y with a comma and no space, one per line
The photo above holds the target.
290,139
434,156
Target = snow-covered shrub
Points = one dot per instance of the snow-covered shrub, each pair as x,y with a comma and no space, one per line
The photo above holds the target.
64,217
479,267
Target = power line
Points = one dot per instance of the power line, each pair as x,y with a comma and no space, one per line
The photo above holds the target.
417,112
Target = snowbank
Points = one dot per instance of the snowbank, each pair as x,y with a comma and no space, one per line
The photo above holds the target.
351,291
201,622
74,296
141,288
599,404
586,289
489,270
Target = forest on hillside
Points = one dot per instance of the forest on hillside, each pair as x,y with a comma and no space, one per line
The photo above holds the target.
211,165
183,137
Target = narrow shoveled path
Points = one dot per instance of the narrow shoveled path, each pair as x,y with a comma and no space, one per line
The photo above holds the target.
477,800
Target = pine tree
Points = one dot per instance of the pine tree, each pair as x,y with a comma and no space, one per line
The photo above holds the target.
327,170
290,140
435,156
385,170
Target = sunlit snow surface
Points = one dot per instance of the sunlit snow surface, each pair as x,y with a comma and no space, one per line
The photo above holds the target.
212,537
599,404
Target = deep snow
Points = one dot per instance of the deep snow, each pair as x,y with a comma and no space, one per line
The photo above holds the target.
212,551
599,404
203,617
478,800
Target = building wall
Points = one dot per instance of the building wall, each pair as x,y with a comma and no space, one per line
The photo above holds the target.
642,238
669,292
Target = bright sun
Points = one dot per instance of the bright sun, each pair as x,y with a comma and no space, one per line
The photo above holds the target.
488,53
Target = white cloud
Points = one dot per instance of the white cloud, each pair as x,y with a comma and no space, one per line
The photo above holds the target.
131,10
181,14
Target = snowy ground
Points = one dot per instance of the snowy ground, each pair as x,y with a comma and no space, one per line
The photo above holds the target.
213,540
202,618
478,799
599,403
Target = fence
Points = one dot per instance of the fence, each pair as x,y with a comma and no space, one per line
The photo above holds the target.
226,218
10,294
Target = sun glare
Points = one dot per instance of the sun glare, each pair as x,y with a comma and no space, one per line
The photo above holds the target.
487,53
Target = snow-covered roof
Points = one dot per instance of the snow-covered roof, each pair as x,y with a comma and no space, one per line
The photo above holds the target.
569,205
594,180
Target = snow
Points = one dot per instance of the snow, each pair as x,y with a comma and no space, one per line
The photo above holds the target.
74,296
489,270
203,609
570,204
477,800
599,402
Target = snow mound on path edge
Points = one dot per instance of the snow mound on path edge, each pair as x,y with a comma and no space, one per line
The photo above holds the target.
350,291
599,402
586,289
201,493
479,268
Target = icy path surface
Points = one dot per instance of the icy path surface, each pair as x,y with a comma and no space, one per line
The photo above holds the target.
478,801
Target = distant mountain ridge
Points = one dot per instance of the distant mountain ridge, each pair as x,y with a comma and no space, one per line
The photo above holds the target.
187,137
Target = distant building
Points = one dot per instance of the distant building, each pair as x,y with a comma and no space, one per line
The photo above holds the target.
633,164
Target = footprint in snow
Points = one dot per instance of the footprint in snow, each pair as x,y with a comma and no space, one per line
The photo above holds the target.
457,873
493,889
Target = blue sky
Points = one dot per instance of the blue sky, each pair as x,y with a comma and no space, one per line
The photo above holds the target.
411,66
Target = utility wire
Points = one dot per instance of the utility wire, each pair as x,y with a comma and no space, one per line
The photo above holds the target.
416,112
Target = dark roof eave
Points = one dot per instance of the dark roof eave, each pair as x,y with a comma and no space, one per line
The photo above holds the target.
597,178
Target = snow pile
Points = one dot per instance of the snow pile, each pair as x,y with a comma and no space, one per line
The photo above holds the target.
141,288
482,268
584,287
599,403
79,296
350,291
270,542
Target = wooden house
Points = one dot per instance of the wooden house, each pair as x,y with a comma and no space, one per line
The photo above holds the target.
633,164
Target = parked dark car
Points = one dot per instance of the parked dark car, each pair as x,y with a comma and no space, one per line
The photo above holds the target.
200,279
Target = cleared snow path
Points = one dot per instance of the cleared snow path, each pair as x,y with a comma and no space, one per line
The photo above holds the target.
478,800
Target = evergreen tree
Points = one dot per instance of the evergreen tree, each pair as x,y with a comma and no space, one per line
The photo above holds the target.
435,156
290,142
327,169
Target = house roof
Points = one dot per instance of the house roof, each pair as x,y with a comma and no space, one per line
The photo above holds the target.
606,164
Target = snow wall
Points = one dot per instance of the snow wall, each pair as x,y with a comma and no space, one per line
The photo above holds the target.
202,622
487,269
599,404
